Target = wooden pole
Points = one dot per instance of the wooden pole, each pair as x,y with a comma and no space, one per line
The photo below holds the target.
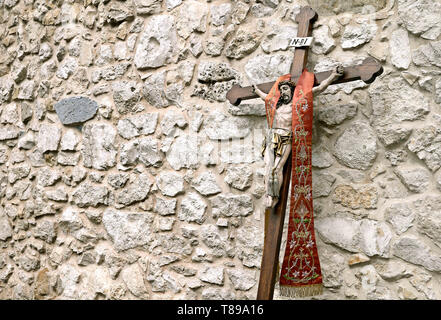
274,219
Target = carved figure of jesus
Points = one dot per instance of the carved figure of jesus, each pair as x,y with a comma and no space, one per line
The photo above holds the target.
278,140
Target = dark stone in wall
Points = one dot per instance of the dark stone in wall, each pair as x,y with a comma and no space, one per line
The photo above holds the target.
75,110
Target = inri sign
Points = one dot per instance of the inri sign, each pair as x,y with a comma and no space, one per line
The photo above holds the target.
300,42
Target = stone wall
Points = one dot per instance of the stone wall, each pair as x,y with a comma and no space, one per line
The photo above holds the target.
151,186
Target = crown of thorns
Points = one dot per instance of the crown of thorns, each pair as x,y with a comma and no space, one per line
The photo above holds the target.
287,82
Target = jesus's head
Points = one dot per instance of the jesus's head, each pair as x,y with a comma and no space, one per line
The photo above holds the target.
286,92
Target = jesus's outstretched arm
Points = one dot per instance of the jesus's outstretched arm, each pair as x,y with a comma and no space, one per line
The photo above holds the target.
336,73
259,92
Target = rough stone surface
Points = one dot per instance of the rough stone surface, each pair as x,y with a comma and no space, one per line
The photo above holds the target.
134,126
170,183
357,258
75,110
421,17
414,250
220,13
69,141
265,68
90,195
125,96
134,280
143,150
157,44
154,92
322,184
346,235
230,205
393,134
206,184
357,35
244,42
165,207
369,236
425,143
325,8
323,42
321,157
213,275
148,6
117,180
127,229
214,81
171,121
427,55
278,38
428,224
356,147
149,153
241,280
219,126
67,68
438,181
240,12
239,177
45,231
47,177
209,71
365,197
414,178
400,49
248,109
99,146
10,114
192,209
438,91
5,227
182,153
333,110
6,90
135,191
48,138
400,216
192,17
428,210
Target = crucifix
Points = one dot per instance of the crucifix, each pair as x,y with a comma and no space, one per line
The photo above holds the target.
288,104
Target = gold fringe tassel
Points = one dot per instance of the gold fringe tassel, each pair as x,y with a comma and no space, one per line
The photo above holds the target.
300,292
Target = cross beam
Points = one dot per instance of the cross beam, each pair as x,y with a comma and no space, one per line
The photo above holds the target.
274,217
367,71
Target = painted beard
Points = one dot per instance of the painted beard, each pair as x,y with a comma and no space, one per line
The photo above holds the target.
286,98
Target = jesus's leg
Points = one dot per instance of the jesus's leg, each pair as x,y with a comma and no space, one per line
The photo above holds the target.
269,164
278,170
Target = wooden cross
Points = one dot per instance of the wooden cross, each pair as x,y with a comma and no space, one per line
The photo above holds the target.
274,218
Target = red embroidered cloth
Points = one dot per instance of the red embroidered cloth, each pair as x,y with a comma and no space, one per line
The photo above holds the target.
300,274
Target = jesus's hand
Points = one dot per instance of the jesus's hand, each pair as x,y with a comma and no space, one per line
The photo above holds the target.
339,70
